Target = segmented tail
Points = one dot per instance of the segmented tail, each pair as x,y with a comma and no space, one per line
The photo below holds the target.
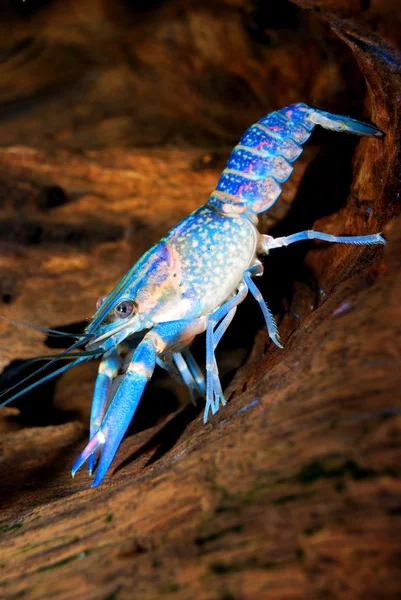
250,183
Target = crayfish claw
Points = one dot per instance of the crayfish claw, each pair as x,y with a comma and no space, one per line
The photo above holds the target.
89,451
92,464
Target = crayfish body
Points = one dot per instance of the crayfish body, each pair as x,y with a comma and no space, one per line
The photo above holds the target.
193,280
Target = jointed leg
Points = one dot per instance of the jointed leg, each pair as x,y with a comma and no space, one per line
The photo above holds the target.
187,376
223,326
217,335
214,393
195,370
270,322
268,243
182,367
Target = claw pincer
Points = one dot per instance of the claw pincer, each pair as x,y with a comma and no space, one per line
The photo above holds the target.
193,280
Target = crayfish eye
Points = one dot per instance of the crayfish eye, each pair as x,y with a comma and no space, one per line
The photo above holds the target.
124,309
100,301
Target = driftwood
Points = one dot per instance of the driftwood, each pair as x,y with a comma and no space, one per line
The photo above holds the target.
116,120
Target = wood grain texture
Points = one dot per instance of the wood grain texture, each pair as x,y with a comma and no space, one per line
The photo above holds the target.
116,121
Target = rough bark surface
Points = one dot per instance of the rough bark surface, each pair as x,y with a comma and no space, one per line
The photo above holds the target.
116,120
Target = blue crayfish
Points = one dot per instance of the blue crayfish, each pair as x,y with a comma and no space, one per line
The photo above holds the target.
193,280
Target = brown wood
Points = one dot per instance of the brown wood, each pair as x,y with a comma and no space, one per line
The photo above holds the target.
116,120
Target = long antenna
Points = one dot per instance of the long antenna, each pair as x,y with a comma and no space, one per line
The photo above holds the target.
51,331
46,366
42,380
